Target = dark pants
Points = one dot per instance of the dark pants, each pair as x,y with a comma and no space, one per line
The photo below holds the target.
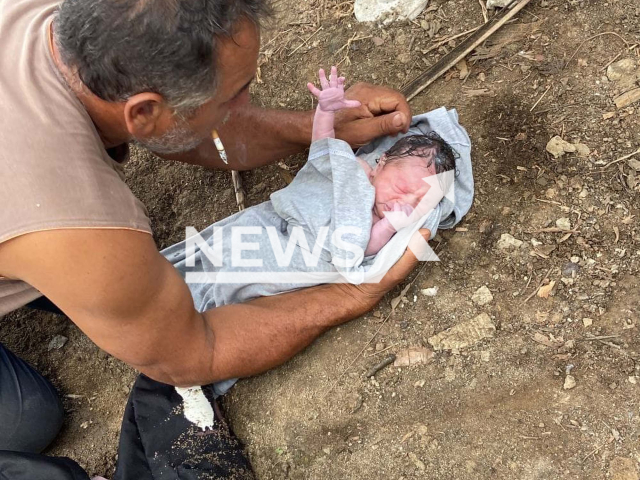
156,441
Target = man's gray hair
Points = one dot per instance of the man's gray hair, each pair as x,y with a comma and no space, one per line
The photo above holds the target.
123,47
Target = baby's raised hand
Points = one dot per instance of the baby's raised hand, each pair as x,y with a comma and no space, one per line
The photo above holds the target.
331,97
399,221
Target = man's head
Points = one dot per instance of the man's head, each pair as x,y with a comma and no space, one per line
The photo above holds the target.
177,66
398,176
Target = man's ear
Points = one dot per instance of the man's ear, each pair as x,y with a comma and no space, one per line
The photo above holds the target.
147,115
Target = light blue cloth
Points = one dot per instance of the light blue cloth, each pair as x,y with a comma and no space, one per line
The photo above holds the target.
331,193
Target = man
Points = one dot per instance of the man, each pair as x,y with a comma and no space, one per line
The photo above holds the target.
78,81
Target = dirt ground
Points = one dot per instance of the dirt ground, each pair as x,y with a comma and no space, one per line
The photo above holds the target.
554,392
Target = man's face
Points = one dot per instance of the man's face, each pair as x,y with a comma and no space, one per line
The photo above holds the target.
236,67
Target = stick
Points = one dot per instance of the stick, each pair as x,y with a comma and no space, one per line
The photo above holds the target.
376,368
382,324
591,38
541,97
484,11
304,42
538,287
448,39
462,50
621,159
237,187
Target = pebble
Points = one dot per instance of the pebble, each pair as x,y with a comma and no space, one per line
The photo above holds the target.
508,241
430,292
558,147
624,72
491,4
482,296
57,342
582,150
569,382
570,269
587,322
564,223
387,11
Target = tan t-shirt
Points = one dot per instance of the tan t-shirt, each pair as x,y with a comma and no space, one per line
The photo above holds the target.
54,170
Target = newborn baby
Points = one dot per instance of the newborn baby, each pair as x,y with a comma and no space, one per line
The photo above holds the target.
399,173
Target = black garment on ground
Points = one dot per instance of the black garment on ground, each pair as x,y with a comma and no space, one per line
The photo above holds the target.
156,441
30,410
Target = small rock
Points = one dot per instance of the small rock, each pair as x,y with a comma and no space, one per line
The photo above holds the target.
569,382
587,322
491,4
619,69
558,147
57,342
485,355
625,72
508,241
417,462
622,468
464,334
429,292
387,11
482,296
570,269
582,150
633,163
377,41
563,223
404,57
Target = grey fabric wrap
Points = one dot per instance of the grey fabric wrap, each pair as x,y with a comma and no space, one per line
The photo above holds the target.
332,192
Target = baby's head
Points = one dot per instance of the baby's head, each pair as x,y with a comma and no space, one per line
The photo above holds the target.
398,175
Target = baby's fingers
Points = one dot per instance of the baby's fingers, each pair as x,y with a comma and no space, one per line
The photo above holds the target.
324,83
313,89
333,77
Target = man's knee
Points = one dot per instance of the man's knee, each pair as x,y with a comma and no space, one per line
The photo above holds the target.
30,411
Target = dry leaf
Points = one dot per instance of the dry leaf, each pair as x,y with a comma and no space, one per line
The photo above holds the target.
464,334
544,340
413,356
545,290
396,301
463,68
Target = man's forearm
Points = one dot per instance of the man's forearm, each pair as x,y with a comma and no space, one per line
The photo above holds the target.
251,338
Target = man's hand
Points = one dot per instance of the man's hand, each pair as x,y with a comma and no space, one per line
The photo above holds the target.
369,294
384,111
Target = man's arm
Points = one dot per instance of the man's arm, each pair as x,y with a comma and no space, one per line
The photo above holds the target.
254,136
132,303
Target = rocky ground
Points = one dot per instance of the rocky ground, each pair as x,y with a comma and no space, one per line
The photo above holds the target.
523,341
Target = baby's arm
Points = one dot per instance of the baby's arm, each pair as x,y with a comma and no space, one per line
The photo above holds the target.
330,100
382,230
381,233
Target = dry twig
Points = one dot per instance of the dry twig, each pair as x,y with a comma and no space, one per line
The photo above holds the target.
591,38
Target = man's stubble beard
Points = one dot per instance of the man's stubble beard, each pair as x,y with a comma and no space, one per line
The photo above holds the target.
178,139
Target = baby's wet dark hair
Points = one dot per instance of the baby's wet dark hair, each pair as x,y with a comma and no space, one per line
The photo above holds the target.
430,146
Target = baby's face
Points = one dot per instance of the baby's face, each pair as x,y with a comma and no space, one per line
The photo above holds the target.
400,182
